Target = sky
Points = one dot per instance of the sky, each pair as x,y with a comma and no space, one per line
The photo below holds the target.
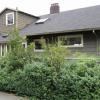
41,7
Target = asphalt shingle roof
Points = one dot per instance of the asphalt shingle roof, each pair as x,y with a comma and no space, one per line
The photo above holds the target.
4,39
79,19
17,11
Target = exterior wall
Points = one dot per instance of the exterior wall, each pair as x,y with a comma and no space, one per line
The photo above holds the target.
89,41
24,20
20,21
97,35
3,49
3,27
89,44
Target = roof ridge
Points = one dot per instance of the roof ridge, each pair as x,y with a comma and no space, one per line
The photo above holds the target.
71,10
18,11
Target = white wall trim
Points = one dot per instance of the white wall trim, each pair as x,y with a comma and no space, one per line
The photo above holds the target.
24,43
5,49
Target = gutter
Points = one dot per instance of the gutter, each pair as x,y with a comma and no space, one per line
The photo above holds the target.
97,42
56,32
16,20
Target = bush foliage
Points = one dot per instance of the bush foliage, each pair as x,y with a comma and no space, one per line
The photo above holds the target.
50,78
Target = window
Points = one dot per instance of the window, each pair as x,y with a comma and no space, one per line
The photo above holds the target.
9,18
38,45
42,20
3,49
71,41
24,44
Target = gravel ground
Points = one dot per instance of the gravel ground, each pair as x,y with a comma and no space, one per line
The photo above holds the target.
5,96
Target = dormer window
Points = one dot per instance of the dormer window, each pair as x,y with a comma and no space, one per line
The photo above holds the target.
10,18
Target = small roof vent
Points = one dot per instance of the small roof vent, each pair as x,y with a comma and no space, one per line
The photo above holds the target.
42,20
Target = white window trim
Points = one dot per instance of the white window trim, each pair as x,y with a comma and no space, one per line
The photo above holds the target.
71,46
25,43
7,18
37,50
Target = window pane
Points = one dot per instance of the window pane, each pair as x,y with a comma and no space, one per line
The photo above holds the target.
38,45
10,18
67,41
74,40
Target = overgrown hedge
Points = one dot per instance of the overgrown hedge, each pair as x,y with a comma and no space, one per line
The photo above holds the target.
72,82
48,76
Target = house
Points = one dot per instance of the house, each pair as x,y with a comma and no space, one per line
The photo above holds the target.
77,29
10,19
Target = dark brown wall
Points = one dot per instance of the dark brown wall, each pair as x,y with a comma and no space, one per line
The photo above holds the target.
89,39
89,44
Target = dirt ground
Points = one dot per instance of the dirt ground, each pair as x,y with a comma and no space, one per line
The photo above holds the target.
5,96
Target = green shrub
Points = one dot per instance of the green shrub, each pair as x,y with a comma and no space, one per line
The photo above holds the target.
17,55
73,82
44,83
51,78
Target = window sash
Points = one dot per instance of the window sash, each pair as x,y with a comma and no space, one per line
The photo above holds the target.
40,48
60,38
7,15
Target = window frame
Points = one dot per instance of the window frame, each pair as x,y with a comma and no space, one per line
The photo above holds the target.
38,50
7,18
24,44
72,36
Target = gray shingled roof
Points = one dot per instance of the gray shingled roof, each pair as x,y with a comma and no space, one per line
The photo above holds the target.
74,20
17,11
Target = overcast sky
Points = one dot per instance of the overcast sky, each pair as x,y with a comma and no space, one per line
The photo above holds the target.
40,7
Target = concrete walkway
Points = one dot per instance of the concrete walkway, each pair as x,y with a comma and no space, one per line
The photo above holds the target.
5,96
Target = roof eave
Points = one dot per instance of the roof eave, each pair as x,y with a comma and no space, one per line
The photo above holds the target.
65,31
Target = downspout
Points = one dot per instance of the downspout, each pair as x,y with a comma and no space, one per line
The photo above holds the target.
16,14
97,42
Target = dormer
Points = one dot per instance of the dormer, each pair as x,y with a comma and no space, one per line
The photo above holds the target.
14,18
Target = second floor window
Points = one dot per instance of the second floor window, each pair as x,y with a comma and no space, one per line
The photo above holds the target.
10,18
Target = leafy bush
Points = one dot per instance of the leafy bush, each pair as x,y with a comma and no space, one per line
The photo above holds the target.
73,81
51,78
17,55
